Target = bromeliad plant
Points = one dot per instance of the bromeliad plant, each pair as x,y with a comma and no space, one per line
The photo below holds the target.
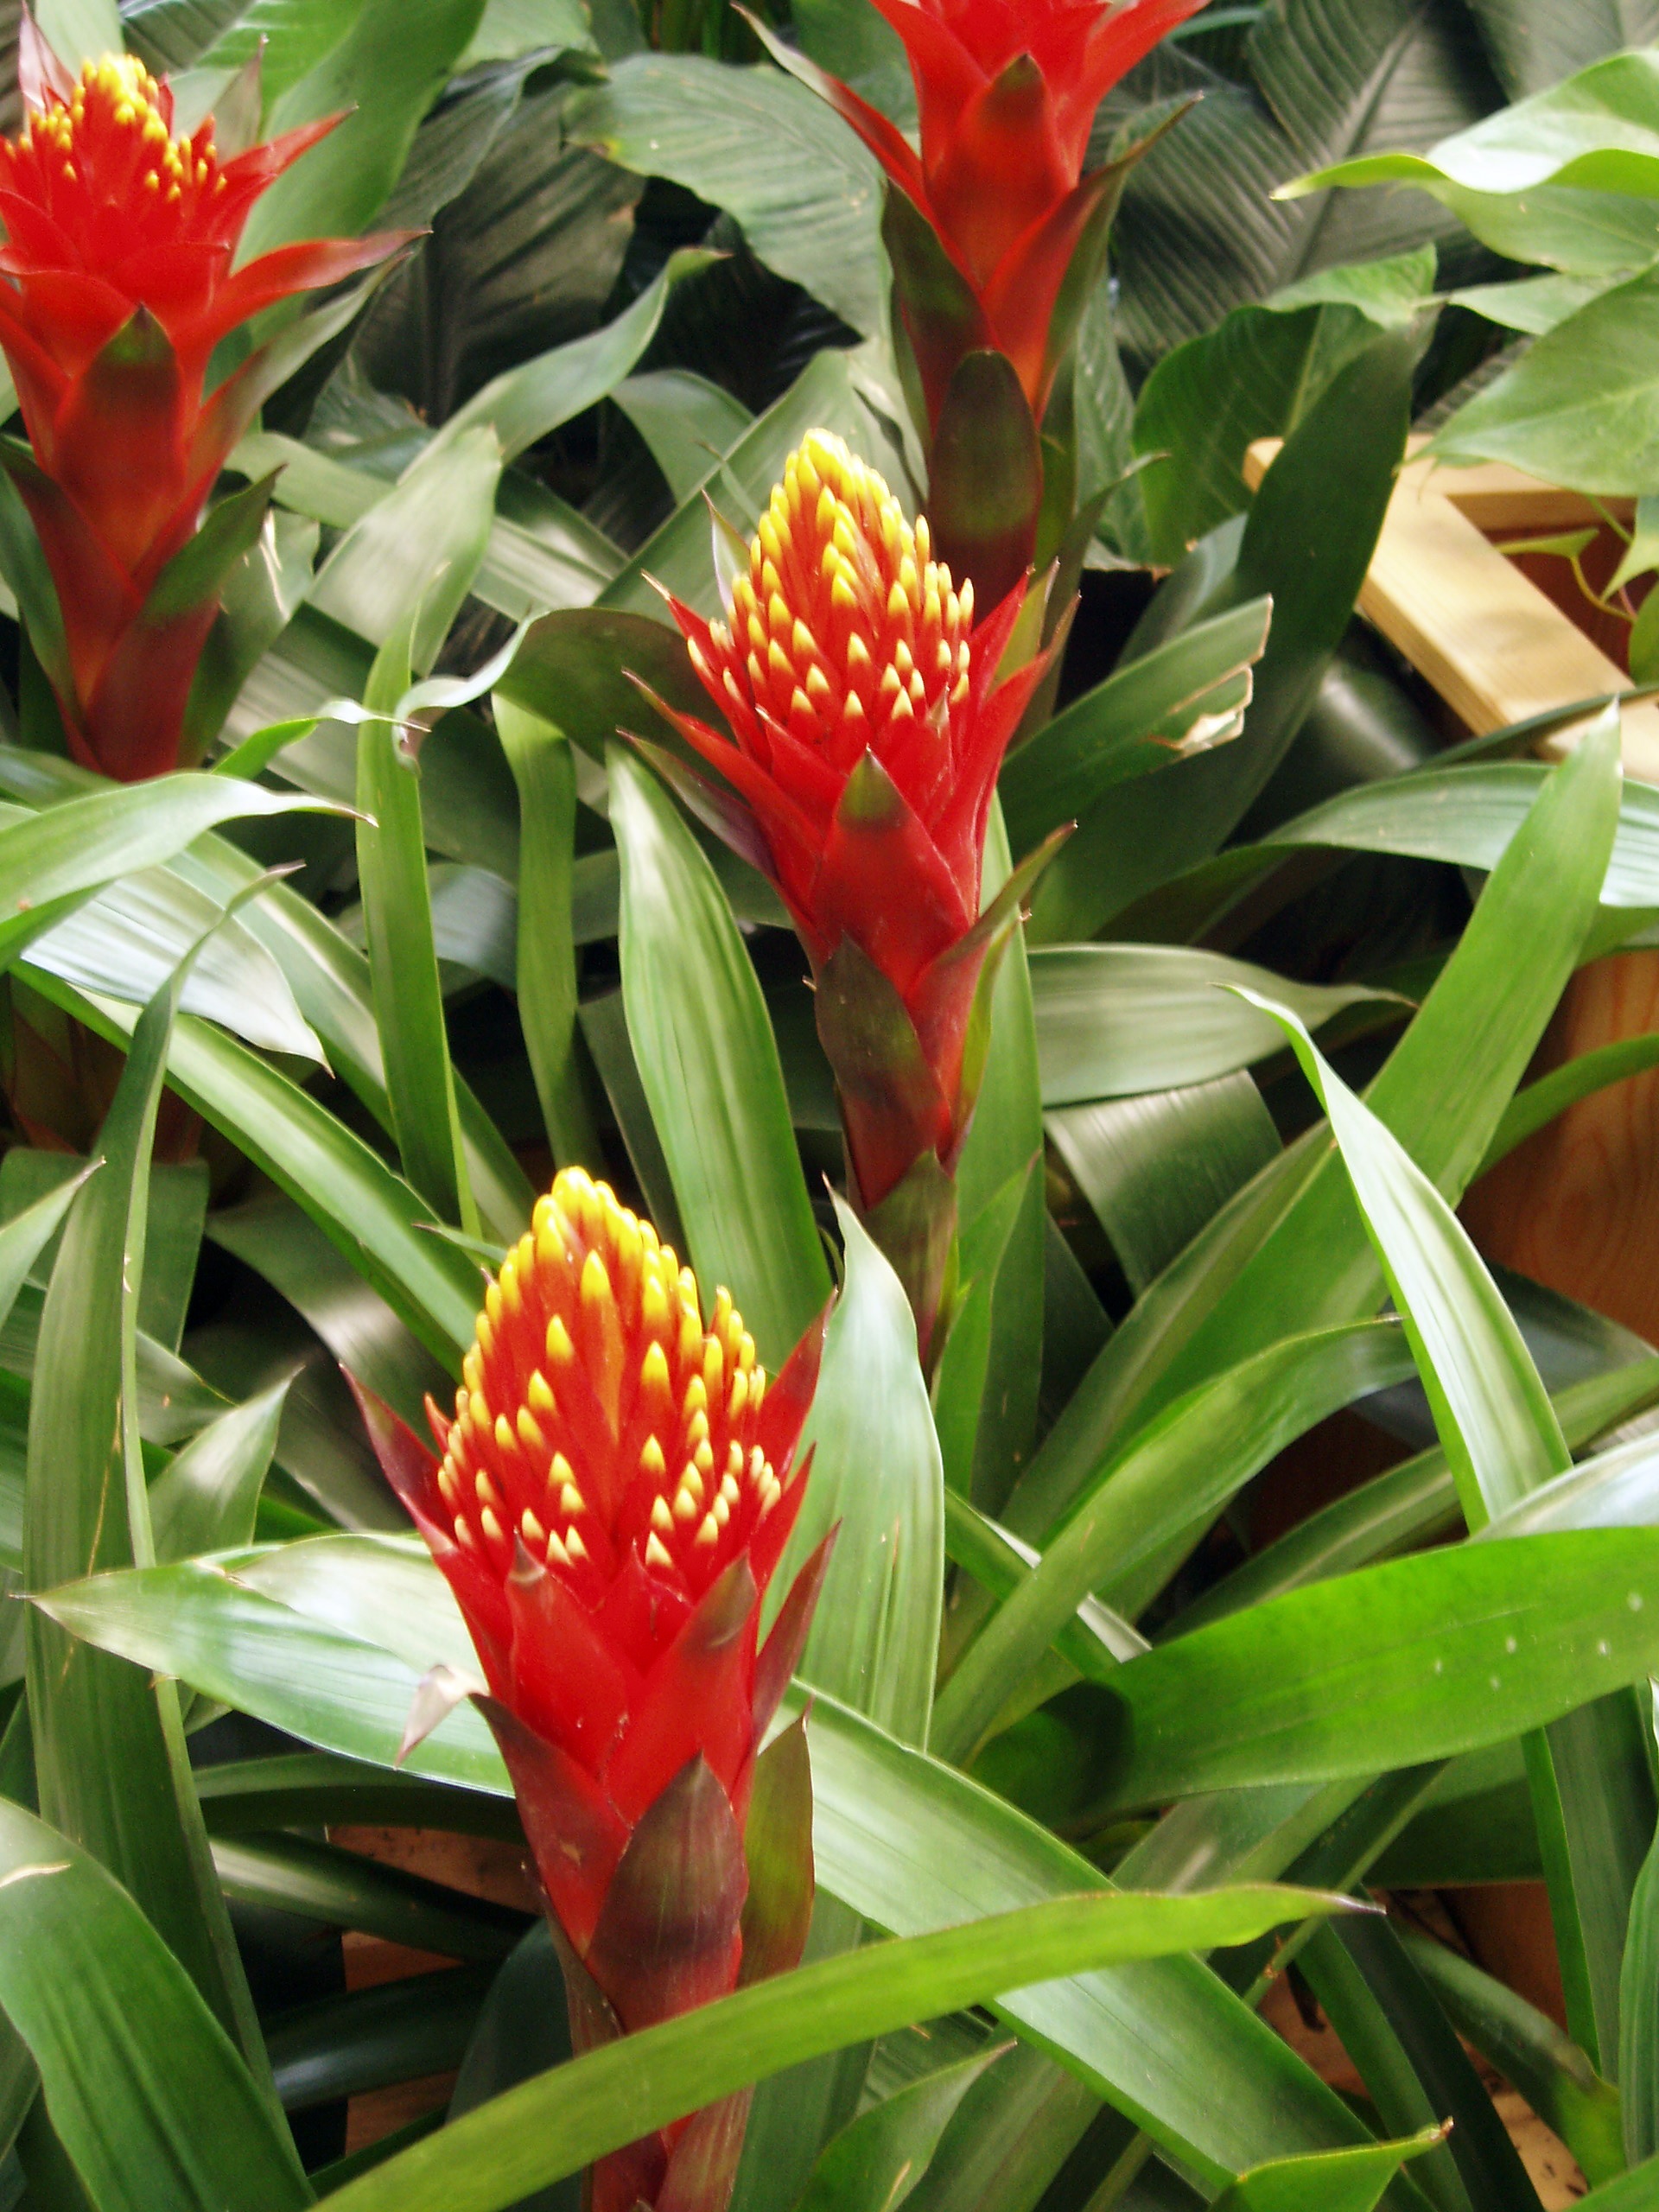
615,1491
997,233
1082,1675
868,717
119,287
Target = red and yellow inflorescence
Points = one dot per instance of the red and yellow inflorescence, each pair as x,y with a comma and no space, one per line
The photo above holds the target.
616,1488
116,286
600,1424
867,715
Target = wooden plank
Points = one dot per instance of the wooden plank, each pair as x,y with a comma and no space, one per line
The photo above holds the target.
1494,647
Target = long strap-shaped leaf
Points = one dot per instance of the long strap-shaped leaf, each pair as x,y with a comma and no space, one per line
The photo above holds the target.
1290,1253
144,2089
709,1065
1591,1787
563,2120
909,1844
110,1763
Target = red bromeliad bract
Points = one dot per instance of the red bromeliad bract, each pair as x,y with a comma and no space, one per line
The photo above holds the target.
117,285
615,1491
1007,92
867,725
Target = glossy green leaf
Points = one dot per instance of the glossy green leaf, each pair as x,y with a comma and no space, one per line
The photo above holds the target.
320,1881
1169,1483
386,71
409,563
1005,1139
545,959
1116,1018
372,2038
1183,696
875,2164
561,2120
78,31
522,2029
1336,2181
1329,485
205,1499
1417,1659
1598,132
877,1474
110,1756
527,403
1442,1093
709,1066
779,160
144,2088
70,850
1636,2191
1398,2044
1593,1788
908,1843
1417,1502
1581,406
1638,2022
1548,2068
686,421
366,1211
1155,1167
1256,375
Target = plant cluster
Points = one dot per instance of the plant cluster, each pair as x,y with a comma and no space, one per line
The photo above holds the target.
633,632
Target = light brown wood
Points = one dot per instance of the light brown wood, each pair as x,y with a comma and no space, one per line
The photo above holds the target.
1496,647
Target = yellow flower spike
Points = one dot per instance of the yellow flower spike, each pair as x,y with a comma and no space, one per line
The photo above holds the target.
560,1350
540,1397
529,1434
653,1465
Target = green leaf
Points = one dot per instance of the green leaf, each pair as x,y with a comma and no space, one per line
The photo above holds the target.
561,2120
877,1474
1169,1483
1256,376
1417,1659
875,2163
320,1881
1581,406
143,2086
373,2038
386,71
1548,2068
1155,1168
1492,1413
205,1500
1005,1140
410,561
59,856
1113,1019
1636,2191
110,1756
909,1844
1189,692
1415,1504
78,31
688,423
1598,132
1329,485
751,141
1414,2072
1592,1786
709,1066
1442,1093
1333,2181
365,1211
545,960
